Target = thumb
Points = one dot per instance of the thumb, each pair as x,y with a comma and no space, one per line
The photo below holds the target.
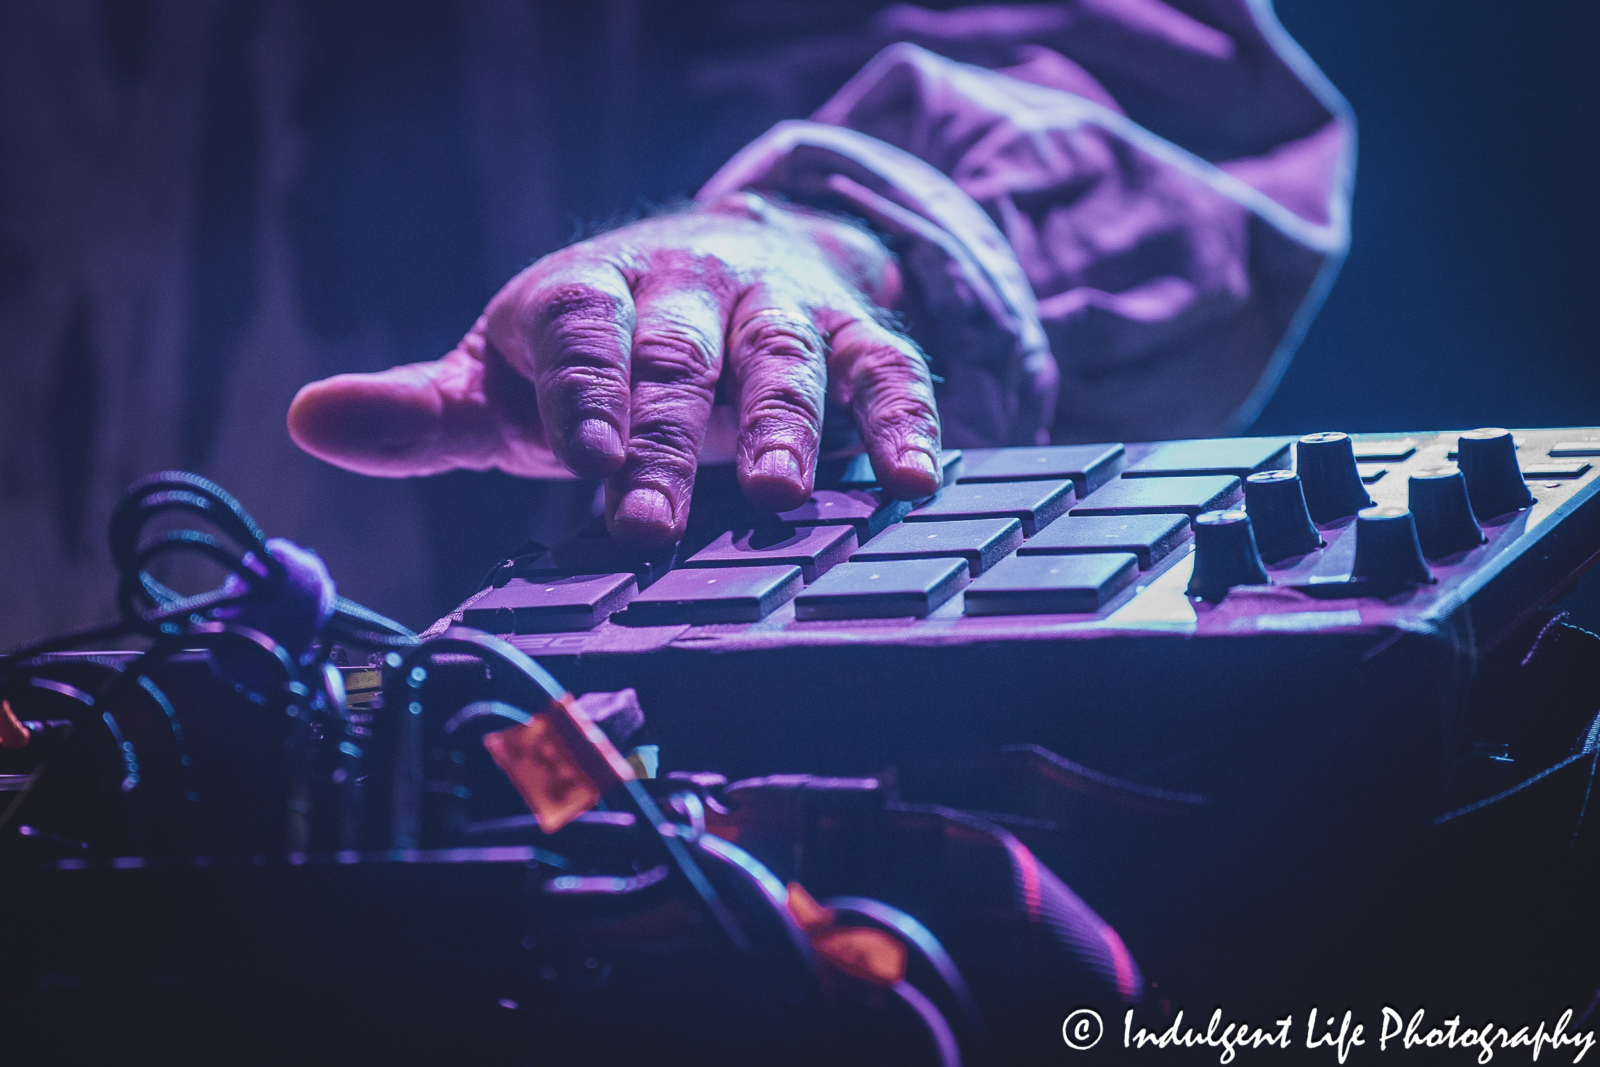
425,418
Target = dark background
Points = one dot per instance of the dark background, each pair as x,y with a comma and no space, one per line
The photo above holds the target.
204,204
1469,297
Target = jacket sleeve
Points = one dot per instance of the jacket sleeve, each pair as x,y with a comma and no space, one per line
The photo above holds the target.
1116,216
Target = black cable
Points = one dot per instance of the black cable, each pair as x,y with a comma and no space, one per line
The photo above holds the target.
385,630
179,491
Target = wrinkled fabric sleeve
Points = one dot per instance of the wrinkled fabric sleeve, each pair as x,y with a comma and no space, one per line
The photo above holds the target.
1072,272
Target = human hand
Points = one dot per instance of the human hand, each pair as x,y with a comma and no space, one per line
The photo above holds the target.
604,358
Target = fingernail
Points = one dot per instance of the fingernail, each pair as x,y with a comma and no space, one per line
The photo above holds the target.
646,507
913,460
598,435
777,463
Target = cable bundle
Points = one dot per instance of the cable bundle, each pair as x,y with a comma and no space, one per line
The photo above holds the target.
100,737
273,586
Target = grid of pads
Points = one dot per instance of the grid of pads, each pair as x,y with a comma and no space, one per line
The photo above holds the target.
1017,531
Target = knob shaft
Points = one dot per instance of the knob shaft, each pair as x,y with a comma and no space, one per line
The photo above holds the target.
1488,461
1327,466
1443,514
1387,551
1225,555
1277,506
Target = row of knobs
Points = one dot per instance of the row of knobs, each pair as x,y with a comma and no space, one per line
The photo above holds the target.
1282,510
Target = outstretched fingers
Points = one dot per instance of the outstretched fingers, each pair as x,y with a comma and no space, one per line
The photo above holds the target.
604,359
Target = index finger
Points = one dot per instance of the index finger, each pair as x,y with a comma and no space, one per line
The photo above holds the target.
568,328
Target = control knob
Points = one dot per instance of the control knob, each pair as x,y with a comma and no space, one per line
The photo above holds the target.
1327,466
1387,552
1488,461
1443,514
1225,554
1277,506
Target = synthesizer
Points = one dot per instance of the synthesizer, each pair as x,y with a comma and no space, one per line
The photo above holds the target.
1199,615
1218,685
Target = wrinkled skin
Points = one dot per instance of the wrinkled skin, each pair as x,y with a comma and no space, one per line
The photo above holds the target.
603,359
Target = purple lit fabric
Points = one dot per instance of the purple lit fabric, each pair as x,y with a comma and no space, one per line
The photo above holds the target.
1116,217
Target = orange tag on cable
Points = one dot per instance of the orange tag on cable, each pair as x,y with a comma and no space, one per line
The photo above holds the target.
12,733
542,769
806,911
862,951
560,761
